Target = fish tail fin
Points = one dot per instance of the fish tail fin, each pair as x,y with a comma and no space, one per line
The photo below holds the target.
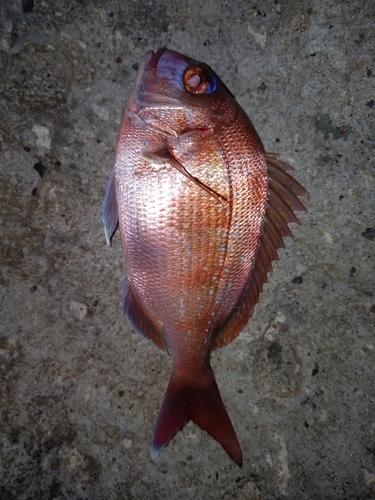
200,402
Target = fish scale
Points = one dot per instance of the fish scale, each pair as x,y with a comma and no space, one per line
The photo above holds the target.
202,211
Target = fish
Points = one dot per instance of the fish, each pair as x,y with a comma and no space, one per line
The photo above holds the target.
202,211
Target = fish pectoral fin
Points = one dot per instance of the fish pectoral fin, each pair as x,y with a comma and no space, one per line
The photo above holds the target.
283,192
203,405
156,160
139,319
110,209
166,156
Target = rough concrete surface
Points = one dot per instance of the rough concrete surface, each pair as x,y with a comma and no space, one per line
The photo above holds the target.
80,391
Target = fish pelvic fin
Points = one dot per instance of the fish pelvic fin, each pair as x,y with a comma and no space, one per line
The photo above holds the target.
139,319
110,210
199,401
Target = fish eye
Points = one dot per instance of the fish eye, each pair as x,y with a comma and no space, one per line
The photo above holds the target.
198,81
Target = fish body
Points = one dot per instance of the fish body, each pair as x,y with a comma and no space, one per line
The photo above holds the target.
202,210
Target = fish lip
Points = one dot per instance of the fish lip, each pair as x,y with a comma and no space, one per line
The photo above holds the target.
153,61
143,66
138,90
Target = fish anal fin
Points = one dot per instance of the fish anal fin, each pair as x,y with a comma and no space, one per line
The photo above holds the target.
110,209
283,195
139,318
200,403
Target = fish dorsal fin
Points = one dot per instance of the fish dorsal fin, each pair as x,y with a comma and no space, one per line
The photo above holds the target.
110,209
139,319
283,192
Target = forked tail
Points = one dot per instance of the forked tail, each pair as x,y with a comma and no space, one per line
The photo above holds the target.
199,401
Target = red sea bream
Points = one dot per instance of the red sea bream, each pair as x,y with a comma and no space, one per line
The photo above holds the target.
202,210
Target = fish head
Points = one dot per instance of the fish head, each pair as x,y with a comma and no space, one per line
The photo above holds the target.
176,94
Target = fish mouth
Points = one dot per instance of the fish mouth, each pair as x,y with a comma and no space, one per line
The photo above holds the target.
152,58
156,68
142,68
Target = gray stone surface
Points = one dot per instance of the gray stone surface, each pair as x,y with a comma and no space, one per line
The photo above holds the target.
80,391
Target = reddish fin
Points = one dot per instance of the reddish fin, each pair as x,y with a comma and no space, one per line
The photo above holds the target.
110,209
283,191
139,319
200,403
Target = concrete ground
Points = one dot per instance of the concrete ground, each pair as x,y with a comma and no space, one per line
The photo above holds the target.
79,390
